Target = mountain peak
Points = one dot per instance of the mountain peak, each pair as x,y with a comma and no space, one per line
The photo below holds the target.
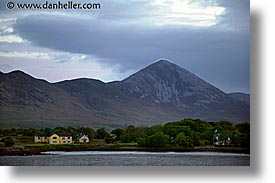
21,76
166,82
163,61
17,74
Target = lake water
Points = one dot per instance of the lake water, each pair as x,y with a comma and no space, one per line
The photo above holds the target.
107,158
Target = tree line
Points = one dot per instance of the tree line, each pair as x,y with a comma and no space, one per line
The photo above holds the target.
185,133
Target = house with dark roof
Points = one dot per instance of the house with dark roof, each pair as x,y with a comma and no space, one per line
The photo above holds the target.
60,138
54,138
41,138
82,138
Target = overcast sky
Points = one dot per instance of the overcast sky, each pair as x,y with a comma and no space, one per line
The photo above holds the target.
210,38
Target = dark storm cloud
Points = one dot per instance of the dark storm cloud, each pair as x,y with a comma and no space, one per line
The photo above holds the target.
237,14
218,55
224,54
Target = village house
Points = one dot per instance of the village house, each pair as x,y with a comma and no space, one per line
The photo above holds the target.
54,138
60,138
41,138
218,142
82,138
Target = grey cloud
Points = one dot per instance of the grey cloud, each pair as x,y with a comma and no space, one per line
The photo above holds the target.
237,14
135,47
218,55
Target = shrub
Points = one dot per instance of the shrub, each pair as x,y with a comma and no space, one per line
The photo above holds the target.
8,142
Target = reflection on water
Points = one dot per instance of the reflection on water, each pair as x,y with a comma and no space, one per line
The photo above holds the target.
128,158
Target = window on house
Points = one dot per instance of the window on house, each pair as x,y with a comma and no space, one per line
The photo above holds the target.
63,138
54,137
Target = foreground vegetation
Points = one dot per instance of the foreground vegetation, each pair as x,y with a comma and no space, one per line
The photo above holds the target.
186,134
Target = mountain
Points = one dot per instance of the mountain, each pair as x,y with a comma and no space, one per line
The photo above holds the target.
241,96
159,93
165,82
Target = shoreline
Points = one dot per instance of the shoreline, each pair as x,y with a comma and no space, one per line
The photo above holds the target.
29,151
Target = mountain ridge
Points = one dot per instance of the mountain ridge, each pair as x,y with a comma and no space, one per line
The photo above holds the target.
165,87
160,92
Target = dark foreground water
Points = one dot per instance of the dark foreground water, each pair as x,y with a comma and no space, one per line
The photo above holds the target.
101,158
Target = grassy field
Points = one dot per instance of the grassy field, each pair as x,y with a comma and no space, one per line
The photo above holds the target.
24,145
28,141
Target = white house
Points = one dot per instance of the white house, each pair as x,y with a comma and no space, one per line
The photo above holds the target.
83,138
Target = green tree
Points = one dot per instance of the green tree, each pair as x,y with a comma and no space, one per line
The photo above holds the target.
131,134
8,141
128,134
183,141
159,139
154,129
88,131
236,140
109,139
207,136
126,138
244,129
244,140
141,141
171,130
47,131
117,132
195,139
60,129
101,134
225,125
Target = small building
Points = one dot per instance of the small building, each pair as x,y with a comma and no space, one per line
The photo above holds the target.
65,138
41,138
54,138
82,138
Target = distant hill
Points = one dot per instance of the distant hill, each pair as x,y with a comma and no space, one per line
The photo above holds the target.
241,96
159,93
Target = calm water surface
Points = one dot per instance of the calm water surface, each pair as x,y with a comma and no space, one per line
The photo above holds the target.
101,158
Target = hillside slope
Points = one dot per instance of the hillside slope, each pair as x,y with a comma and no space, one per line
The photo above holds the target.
159,93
